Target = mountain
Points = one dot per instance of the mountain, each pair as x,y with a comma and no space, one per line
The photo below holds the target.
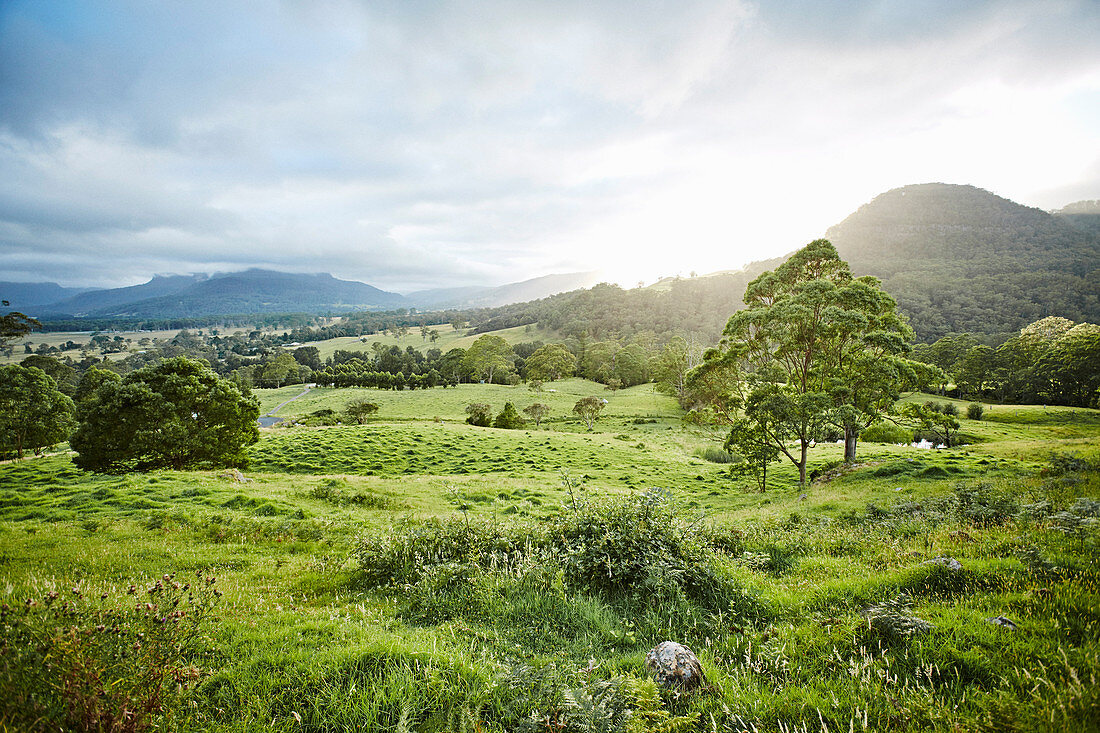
22,296
958,258
1083,215
99,301
257,291
489,297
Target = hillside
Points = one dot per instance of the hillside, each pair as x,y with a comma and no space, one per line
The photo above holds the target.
1083,215
22,296
958,258
105,301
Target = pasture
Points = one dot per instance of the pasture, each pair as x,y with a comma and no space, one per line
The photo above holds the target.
419,574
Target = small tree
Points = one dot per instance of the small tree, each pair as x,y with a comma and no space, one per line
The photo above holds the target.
537,412
508,418
589,408
480,414
360,411
753,443
941,425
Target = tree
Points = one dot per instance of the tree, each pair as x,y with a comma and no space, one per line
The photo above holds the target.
589,408
33,412
814,346
277,370
537,412
15,325
309,356
752,441
928,419
508,418
487,356
480,414
360,411
551,362
671,369
87,389
63,375
178,415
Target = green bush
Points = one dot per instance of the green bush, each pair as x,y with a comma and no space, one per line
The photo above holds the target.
714,454
76,663
886,432
974,411
509,419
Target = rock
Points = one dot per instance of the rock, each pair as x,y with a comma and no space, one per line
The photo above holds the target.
674,665
234,475
1003,622
948,562
802,497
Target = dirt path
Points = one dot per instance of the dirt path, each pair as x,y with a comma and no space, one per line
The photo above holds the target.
281,405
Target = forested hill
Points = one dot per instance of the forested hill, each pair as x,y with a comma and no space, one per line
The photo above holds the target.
1083,215
958,258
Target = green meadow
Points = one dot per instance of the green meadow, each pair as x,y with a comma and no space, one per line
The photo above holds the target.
419,574
448,338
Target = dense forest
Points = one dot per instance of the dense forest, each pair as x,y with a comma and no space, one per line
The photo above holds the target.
960,259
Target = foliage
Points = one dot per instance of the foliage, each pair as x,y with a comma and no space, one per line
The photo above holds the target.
488,356
814,345
752,441
14,325
550,362
360,411
589,408
974,411
178,414
931,419
509,419
33,413
72,663
537,411
480,414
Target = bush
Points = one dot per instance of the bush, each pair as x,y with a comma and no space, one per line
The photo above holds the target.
480,414
71,663
949,408
885,432
974,411
509,419
715,454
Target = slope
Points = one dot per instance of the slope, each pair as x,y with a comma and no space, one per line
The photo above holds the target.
958,258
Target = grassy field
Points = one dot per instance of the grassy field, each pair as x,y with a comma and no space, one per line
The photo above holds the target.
420,574
448,339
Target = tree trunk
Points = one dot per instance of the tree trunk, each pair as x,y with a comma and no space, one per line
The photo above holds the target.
850,437
802,465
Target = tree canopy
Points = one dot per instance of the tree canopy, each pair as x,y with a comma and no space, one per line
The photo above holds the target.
33,412
178,415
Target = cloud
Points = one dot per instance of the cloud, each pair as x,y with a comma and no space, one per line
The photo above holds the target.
419,144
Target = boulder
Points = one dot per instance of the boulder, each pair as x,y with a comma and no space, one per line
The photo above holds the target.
1003,622
948,562
674,665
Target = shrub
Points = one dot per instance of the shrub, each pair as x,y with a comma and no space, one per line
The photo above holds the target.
714,454
71,663
480,414
974,411
509,419
949,408
885,432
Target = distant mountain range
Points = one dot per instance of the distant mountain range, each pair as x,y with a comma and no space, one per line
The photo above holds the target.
533,289
264,291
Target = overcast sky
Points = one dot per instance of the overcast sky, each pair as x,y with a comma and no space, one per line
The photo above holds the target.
416,144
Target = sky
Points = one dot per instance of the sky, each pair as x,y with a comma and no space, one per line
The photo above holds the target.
413,144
